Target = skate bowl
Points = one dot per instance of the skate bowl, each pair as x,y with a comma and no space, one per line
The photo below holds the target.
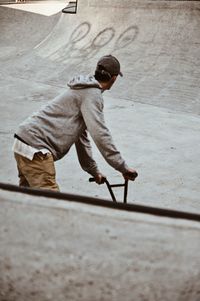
61,250
157,43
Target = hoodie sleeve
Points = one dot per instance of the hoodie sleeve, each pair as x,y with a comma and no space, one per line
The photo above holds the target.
84,152
92,112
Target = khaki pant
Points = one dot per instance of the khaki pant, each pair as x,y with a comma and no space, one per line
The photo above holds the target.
37,173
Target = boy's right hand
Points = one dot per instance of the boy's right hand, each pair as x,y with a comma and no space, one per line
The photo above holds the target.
100,178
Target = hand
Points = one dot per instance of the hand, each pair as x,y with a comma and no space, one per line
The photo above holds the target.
99,178
130,174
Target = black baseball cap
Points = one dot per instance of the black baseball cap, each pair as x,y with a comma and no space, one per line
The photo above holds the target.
110,64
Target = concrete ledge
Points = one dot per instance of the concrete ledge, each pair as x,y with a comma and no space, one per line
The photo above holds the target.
54,250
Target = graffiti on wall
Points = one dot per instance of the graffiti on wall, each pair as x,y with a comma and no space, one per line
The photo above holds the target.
82,44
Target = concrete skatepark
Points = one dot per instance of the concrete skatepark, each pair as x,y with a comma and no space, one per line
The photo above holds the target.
52,248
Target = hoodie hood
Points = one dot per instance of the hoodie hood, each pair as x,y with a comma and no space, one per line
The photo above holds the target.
83,82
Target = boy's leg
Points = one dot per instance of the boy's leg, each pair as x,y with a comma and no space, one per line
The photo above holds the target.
39,172
22,180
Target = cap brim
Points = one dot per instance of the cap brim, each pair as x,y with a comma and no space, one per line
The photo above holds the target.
120,73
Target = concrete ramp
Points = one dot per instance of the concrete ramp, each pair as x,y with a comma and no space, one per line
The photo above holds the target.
157,42
56,250
21,31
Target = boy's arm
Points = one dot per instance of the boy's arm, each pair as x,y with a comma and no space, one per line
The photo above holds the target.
92,112
84,152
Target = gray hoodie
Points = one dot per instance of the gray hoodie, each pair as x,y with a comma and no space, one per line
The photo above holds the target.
66,120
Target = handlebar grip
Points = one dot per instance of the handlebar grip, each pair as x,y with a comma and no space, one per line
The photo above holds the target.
103,180
91,179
